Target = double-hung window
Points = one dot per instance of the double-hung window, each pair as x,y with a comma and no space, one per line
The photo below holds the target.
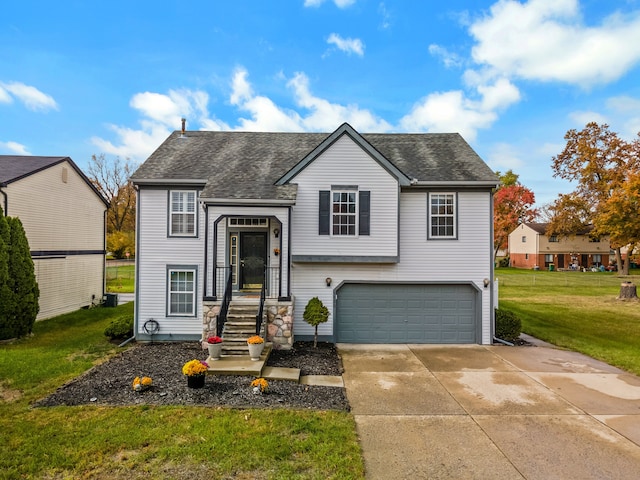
182,291
344,211
442,216
182,213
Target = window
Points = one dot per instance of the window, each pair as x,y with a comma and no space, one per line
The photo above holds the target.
182,214
553,238
182,292
548,259
524,239
344,211
442,215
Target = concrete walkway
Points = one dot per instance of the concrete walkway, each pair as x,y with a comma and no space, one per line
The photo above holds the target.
491,412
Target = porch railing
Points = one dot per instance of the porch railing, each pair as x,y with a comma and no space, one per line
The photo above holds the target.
261,307
271,283
226,300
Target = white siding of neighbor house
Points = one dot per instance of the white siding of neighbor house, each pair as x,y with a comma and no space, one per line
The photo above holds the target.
59,216
345,163
155,252
467,259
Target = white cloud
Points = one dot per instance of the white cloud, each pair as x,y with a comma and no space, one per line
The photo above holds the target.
339,3
453,111
14,148
449,59
546,40
385,21
581,118
348,45
503,156
32,98
326,116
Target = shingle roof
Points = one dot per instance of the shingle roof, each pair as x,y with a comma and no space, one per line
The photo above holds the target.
246,165
15,167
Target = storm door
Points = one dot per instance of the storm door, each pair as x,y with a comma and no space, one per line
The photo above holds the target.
253,258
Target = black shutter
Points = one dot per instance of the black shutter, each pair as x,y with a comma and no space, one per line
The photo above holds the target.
364,217
325,212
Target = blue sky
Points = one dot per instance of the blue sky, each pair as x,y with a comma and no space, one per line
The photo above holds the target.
81,77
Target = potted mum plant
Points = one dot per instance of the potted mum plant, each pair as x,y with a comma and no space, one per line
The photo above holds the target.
256,345
195,371
214,345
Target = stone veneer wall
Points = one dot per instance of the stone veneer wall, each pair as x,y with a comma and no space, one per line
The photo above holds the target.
279,318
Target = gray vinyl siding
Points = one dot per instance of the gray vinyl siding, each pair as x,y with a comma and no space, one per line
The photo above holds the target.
466,260
345,163
155,252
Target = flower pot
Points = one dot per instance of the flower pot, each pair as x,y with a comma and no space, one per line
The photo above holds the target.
215,350
195,381
255,350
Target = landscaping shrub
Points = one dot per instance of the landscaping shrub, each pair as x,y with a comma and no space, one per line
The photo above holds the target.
508,325
503,262
121,327
314,314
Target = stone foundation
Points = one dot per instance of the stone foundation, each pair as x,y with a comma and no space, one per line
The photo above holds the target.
278,315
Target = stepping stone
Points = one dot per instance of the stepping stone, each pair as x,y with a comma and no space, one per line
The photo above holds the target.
322,380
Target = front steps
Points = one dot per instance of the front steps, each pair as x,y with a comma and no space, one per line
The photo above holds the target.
240,325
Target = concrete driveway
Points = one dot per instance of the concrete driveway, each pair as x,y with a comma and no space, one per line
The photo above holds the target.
491,412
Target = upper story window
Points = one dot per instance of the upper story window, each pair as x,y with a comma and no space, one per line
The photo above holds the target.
182,213
594,239
442,215
344,211
553,238
524,239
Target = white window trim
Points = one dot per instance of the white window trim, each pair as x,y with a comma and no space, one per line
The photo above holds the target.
185,213
180,269
356,214
430,216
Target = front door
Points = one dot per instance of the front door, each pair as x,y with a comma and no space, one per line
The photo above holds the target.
253,258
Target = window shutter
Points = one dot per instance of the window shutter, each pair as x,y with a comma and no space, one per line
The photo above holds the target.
364,217
325,212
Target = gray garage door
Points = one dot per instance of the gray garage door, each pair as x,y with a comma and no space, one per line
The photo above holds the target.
399,313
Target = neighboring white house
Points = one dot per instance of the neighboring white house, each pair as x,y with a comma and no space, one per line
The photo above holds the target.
64,218
393,232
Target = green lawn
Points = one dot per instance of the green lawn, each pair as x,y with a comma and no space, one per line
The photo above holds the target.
149,441
576,310
121,279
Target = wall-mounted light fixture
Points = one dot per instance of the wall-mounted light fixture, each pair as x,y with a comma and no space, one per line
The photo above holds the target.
328,281
486,282
276,232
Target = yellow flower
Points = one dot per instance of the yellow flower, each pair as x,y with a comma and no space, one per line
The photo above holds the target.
195,367
255,339
140,384
261,384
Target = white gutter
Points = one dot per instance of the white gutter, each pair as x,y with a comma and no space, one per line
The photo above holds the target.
246,201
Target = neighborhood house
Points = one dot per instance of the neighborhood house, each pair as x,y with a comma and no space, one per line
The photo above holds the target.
531,247
64,219
392,232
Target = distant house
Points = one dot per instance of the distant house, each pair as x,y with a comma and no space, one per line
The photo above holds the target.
391,231
530,246
64,219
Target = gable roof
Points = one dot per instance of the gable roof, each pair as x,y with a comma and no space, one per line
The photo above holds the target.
259,166
17,167
541,228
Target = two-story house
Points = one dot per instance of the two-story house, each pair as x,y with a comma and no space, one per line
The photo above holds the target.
530,246
64,218
393,232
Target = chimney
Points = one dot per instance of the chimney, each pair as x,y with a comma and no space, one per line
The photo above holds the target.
184,121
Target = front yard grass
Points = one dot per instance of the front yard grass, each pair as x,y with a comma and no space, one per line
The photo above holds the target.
149,441
576,310
121,278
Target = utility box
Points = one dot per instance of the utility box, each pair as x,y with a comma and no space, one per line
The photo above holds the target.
110,300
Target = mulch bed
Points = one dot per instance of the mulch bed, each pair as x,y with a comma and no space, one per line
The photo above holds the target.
110,383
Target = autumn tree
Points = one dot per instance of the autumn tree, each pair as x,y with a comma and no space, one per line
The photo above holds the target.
601,164
512,205
112,179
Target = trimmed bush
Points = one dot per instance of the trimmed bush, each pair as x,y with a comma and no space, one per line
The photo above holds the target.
508,325
504,262
314,314
121,327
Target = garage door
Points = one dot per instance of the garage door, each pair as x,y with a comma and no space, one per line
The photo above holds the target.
400,313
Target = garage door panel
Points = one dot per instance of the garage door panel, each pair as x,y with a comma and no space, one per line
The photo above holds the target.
399,313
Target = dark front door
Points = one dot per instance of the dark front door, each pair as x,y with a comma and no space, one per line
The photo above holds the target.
253,257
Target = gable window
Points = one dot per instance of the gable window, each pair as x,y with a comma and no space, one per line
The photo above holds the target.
442,215
344,211
524,239
182,291
182,213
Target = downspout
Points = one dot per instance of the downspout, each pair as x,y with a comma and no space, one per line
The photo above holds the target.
6,199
